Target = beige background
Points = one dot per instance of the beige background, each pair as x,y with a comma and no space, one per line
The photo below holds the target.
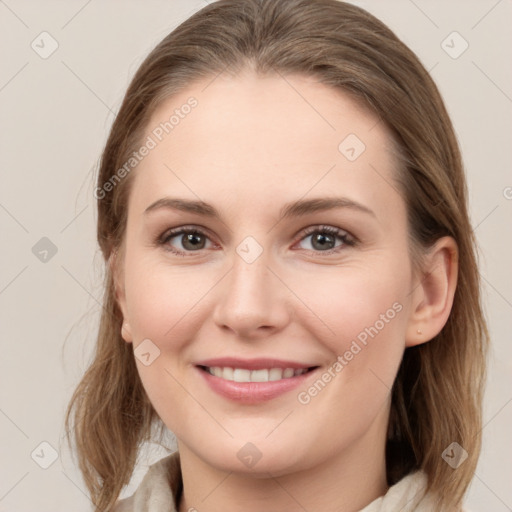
55,115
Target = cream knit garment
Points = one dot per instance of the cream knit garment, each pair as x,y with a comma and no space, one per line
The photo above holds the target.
161,485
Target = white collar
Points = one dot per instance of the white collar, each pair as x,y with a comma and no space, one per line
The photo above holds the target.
161,488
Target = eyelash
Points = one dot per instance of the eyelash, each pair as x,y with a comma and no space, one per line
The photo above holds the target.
344,236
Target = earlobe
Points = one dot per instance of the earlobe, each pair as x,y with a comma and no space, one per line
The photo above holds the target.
120,296
433,294
126,333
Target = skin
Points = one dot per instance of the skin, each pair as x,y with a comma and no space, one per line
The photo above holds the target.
251,145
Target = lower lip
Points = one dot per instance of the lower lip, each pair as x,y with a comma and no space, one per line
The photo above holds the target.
252,392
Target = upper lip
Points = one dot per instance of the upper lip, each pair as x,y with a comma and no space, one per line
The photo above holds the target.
253,364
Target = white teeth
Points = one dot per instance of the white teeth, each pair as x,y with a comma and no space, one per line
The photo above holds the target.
275,374
259,376
241,375
227,373
264,375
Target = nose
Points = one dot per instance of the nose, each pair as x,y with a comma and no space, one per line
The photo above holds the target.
253,302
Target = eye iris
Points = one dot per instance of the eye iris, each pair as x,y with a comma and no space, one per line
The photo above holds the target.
193,238
322,239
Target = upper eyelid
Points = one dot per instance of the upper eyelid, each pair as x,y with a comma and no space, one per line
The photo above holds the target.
323,227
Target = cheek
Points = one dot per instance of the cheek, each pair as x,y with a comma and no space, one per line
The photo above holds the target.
160,303
366,310
161,300
355,304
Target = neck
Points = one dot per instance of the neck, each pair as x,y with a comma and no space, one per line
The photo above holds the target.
345,482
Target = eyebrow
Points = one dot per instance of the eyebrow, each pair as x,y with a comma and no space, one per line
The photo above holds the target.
293,209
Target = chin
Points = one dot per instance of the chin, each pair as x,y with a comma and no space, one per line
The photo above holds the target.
258,458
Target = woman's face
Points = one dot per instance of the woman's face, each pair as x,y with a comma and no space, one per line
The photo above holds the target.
276,282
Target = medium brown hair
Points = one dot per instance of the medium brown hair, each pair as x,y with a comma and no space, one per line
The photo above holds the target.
437,394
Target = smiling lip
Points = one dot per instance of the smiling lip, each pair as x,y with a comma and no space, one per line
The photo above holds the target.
262,379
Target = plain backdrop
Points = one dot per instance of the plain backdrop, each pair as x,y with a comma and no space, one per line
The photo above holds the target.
56,111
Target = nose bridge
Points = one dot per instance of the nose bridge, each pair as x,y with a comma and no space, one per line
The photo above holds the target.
251,296
249,274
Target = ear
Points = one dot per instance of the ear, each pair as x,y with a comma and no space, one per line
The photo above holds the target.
119,293
432,296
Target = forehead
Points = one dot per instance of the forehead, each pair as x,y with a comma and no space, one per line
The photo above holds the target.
232,140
